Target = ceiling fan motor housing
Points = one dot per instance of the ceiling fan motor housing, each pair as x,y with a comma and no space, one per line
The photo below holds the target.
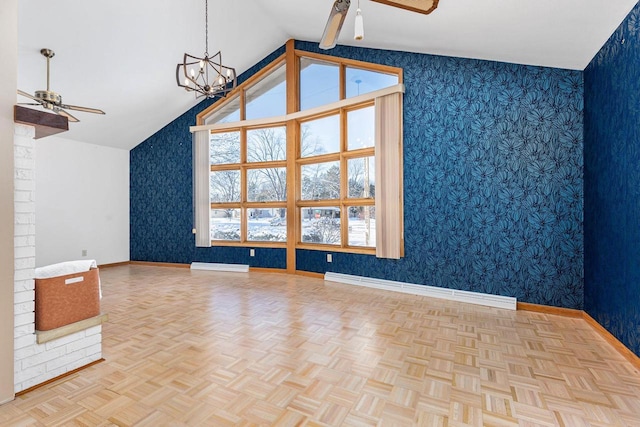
49,96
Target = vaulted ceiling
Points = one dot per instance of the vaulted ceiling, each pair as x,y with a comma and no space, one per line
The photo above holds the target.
120,56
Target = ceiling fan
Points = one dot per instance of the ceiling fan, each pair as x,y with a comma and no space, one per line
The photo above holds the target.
341,7
53,101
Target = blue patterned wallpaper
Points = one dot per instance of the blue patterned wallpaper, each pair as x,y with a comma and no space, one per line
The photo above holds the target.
161,197
492,173
492,179
612,184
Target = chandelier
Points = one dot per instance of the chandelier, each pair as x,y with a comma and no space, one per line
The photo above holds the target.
205,76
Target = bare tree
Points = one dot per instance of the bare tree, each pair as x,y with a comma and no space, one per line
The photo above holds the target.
224,148
266,145
310,145
361,178
225,186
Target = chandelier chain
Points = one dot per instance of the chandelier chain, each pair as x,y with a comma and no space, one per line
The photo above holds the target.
206,28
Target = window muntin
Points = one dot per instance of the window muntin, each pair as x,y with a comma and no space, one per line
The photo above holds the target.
359,81
267,144
319,83
320,136
268,97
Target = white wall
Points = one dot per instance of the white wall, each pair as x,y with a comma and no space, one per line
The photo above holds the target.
8,86
82,202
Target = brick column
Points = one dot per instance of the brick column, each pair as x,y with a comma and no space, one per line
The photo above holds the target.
36,363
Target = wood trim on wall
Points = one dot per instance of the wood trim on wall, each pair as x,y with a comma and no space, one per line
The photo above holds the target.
547,309
52,380
267,270
114,264
160,264
581,314
524,306
612,340
309,274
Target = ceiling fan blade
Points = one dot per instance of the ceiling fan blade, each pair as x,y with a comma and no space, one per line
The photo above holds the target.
334,23
420,6
83,109
61,112
28,95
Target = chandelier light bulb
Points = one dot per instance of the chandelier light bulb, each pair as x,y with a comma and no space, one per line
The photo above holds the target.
359,26
193,73
201,65
228,73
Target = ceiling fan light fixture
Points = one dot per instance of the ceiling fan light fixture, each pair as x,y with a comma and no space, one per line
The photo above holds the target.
359,26
419,6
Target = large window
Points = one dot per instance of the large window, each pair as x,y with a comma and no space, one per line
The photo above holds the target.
337,179
292,159
248,189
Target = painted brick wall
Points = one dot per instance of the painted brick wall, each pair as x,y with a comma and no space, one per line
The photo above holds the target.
36,363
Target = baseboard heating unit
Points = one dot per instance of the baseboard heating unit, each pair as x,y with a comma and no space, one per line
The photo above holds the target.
238,268
496,301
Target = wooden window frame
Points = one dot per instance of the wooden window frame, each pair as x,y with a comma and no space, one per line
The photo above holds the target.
292,120
244,204
343,155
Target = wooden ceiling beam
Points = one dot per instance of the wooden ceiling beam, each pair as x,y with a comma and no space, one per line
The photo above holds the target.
46,124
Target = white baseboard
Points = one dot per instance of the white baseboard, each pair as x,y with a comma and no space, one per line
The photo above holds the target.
497,301
238,268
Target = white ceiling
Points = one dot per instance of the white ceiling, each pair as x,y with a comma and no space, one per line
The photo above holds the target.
120,56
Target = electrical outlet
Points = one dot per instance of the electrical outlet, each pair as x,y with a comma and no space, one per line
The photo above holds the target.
252,252
329,258
84,252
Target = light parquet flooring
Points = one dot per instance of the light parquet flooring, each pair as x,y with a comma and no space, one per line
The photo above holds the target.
204,348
